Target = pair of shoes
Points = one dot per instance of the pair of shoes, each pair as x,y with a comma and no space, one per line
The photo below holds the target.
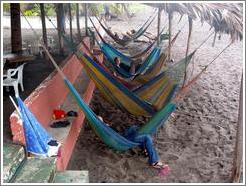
72,113
59,124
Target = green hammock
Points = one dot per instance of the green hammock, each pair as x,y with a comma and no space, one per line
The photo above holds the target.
110,137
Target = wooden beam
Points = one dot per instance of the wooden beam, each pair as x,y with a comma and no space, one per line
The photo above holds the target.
77,18
237,161
43,27
170,17
86,20
158,26
70,22
187,48
60,27
16,39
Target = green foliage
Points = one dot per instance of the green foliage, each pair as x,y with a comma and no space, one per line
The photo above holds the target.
6,7
30,13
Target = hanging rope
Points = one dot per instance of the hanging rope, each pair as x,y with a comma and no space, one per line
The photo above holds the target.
185,89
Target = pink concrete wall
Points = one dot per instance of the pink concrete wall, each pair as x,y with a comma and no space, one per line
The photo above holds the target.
50,94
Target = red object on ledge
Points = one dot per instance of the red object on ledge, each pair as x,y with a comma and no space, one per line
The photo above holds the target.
58,114
42,101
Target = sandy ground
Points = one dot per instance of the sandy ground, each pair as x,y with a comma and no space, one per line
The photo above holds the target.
199,145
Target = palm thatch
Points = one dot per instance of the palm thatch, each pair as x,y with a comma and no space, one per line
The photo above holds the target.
223,17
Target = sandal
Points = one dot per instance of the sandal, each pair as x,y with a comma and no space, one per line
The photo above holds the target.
159,165
60,124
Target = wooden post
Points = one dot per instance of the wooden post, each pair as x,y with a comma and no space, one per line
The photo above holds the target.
43,27
158,26
187,47
170,17
215,35
70,22
77,18
237,161
86,21
60,27
16,39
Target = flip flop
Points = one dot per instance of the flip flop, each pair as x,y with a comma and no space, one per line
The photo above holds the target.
60,124
164,171
158,165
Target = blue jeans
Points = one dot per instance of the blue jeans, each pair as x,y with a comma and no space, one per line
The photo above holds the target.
145,141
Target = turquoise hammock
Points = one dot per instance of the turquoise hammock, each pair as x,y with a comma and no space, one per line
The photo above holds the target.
110,137
111,52
124,42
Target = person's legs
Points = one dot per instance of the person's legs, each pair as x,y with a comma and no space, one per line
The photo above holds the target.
147,143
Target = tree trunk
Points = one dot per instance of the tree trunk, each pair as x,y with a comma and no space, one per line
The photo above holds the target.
188,47
86,15
77,18
70,22
16,40
43,27
170,17
237,161
158,27
60,27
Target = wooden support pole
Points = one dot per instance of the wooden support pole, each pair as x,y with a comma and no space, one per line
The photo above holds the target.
16,39
77,18
170,17
187,48
44,27
158,26
43,24
59,13
86,20
70,22
215,35
237,161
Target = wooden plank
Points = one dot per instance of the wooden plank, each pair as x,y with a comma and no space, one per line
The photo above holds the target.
237,161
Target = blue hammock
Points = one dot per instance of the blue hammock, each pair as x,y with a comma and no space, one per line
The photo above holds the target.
36,136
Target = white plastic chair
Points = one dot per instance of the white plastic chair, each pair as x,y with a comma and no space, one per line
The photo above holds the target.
8,79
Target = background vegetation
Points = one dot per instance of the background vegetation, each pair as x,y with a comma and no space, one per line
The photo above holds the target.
32,9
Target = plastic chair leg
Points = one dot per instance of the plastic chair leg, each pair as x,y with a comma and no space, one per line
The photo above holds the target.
16,89
22,87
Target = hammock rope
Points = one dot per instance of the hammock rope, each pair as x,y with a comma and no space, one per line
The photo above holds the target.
181,93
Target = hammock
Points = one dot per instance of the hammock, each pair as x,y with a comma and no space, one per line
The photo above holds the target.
162,89
111,52
147,70
110,137
124,42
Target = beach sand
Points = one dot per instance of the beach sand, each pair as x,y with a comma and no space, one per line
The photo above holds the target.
199,144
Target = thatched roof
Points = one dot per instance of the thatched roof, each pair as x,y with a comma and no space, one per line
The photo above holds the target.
223,17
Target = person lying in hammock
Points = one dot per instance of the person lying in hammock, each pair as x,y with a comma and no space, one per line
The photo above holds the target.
118,63
146,143
130,34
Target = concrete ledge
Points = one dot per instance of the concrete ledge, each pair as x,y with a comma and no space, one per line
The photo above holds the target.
13,156
36,170
71,177
52,94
